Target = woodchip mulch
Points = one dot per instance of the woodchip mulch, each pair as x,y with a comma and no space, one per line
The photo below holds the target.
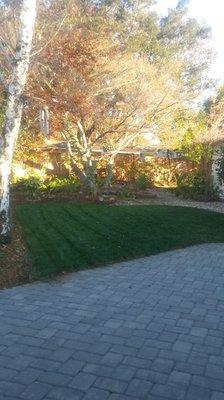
13,265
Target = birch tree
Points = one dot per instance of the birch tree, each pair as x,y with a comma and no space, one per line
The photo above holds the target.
14,107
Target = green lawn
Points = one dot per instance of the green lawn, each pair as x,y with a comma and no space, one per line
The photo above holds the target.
63,237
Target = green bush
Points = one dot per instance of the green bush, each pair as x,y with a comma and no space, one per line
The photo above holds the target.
194,185
35,184
31,183
220,166
57,185
142,182
126,193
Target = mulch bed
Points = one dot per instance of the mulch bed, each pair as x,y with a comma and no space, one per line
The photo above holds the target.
46,197
13,266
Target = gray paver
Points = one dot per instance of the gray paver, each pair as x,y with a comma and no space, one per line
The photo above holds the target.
63,393
96,394
36,391
113,385
145,329
139,388
112,359
197,392
179,378
217,396
82,381
168,392
11,388
163,365
70,367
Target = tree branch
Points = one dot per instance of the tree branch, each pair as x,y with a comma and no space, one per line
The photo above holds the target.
3,48
75,167
103,134
165,108
3,83
51,39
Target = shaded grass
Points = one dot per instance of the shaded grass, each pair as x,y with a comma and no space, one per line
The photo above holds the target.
65,237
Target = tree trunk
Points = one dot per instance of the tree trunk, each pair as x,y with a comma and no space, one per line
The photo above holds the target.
110,173
14,107
90,174
83,174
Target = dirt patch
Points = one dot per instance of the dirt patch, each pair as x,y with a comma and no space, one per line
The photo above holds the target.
46,197
167,197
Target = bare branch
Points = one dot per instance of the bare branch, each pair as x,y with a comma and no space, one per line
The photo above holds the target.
7,57
161,102
3,83
51,39
90,130
114,129
165,108
115,87
83,134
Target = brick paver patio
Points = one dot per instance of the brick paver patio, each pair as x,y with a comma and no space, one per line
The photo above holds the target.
147,329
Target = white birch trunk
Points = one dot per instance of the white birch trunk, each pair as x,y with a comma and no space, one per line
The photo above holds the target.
14,107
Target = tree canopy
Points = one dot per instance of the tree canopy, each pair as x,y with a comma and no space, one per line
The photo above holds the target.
109,71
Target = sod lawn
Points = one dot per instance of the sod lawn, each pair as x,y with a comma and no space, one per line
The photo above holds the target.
66,237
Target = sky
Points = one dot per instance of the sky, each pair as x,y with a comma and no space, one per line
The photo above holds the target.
212,12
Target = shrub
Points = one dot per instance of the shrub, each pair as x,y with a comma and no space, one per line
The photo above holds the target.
125,193
220,166
57,185
36,184
195,186
142,182
31,183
